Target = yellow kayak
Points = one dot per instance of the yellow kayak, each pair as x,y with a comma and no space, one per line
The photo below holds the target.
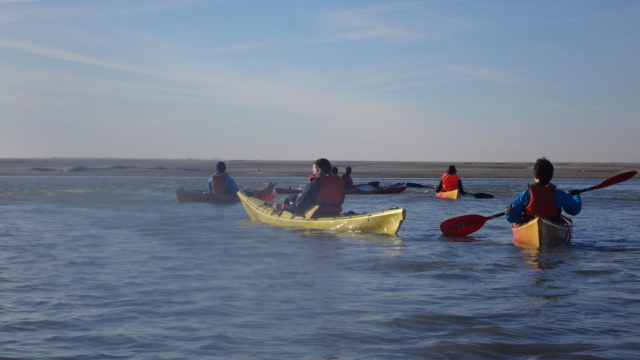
542,232
384,222
453,194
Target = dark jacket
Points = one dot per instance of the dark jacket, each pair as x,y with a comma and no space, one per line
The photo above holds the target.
307,198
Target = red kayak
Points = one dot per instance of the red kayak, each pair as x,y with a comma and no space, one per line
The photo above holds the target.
263,193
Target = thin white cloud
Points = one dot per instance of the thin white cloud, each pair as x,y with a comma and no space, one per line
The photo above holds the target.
236,89
376,22
482,73
98,9
46,51
16,1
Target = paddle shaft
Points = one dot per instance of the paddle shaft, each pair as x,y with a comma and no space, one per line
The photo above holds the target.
476,195
611,181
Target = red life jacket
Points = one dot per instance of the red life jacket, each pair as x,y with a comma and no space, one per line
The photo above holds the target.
347,179
541,202
450,182
331,195
219,183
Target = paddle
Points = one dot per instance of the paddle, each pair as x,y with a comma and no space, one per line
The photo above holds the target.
265,197
468,224
611,181
480,195
476,195
414,185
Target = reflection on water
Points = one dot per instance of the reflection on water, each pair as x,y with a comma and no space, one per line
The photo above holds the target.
544,258
463,239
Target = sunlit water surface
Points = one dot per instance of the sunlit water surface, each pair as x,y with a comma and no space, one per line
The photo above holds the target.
116,268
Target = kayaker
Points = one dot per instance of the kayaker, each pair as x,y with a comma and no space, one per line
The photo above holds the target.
220,182
542,199
450,181
326,189
346,177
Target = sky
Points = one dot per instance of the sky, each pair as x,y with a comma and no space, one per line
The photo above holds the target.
454,81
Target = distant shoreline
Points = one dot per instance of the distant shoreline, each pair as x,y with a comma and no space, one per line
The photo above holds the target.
274,168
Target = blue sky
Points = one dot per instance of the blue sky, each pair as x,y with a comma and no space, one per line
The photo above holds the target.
491,81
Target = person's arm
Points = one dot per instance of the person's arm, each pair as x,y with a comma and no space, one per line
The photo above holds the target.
306,199
517,207
232,187
439,187
572,205
460,187
210,185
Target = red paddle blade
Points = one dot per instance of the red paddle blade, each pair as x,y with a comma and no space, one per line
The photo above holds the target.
615,179
463,225
265,197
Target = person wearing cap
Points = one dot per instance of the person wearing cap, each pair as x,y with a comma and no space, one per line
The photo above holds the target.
450,181
220,182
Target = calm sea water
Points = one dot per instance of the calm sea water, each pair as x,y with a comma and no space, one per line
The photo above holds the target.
116,268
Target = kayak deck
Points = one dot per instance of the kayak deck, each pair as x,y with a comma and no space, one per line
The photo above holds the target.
383,222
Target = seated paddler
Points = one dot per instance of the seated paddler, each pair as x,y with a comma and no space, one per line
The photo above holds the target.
326,190
542,199
450,181
220,182
346,176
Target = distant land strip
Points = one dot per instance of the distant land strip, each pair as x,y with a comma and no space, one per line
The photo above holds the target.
275,168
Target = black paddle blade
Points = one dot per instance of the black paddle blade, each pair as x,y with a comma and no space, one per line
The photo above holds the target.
483,196
414,185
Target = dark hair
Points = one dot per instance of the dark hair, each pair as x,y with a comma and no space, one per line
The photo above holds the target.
543,170
334,170
452,170
324,165
221,166
348,170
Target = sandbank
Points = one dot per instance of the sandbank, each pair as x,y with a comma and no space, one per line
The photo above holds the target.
275,168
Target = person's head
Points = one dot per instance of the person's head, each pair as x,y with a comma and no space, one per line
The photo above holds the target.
221,166
322,165
452,170
348,170
334,170
543,171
